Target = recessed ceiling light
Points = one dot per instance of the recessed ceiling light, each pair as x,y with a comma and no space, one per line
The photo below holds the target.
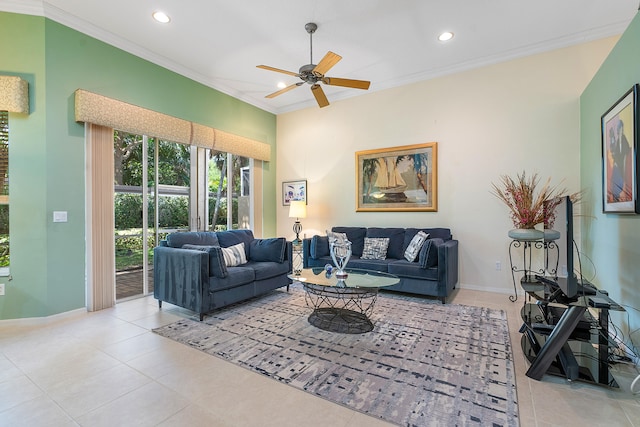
282,85
446,36
161,17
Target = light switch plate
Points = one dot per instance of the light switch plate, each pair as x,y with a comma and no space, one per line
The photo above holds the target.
1,288
59,216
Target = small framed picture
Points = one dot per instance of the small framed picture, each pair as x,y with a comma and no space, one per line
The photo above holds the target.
619,145
294,190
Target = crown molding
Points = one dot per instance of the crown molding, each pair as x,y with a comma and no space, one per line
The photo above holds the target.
26,7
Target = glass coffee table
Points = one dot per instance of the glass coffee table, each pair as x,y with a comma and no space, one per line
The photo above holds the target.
343,306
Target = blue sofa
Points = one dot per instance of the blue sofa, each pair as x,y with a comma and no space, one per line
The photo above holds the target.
190,270
433,273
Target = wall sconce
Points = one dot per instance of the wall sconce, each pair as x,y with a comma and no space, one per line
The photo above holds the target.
14,94
297,210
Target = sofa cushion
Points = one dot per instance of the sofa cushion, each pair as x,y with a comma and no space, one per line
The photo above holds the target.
355,235
319,247
429,253
375,248
237,276
217,266
396,240
266,270
370,264
268,249
181,238
412,251
404,268
234,255
233,237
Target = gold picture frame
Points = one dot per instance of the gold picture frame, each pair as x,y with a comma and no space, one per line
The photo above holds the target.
398,179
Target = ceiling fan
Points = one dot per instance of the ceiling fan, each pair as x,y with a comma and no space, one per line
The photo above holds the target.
315,74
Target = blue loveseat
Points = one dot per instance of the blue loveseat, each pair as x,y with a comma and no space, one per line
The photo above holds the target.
190,269
434,272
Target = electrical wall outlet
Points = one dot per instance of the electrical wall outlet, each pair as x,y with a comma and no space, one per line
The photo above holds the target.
1,288
498,266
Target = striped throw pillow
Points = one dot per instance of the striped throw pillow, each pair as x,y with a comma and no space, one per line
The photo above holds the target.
414,247
234,255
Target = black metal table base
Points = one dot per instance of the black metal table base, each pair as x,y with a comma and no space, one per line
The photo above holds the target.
341,309
340,320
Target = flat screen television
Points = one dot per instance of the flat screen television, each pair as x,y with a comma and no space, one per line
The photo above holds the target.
561,209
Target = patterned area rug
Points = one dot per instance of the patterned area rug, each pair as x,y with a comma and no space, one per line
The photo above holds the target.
423,364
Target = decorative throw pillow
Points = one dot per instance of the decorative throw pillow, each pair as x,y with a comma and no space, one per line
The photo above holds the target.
234,255
429,253
203,248
217,266
272,250
319,247
375,248
339,238
414,247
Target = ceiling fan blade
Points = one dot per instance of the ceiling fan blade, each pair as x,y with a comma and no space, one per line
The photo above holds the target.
286,89
321,98
277,70
325,64
357,84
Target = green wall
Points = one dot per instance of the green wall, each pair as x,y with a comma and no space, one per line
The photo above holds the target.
611,241
47,149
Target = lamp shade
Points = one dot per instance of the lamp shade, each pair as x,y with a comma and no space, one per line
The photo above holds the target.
14,94
297,209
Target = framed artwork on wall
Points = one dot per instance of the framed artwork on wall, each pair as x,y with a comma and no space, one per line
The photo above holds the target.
397,179
294,190
619,147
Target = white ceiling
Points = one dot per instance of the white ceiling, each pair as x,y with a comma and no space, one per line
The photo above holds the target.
389,42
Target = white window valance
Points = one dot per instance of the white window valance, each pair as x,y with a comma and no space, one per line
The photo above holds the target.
104,111
14,94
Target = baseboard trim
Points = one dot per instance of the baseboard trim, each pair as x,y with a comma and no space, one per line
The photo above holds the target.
46,320
483,288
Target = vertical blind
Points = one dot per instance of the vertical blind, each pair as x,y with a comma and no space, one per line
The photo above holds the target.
101,265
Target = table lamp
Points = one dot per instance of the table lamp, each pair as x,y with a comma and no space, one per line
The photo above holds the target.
297,210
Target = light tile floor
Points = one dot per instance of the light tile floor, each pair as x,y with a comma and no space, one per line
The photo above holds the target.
108,368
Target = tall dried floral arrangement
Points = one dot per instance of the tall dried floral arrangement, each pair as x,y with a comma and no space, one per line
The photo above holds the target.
526,206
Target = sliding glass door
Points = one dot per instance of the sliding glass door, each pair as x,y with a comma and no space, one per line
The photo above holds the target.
229,191
151,199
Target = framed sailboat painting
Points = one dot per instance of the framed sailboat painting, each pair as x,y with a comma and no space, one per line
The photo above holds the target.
397,179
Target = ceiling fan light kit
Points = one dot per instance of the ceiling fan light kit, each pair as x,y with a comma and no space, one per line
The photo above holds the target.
313,74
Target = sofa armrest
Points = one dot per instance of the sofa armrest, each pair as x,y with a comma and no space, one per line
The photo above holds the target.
448,264
181,276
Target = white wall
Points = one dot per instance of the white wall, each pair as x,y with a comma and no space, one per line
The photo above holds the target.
500,119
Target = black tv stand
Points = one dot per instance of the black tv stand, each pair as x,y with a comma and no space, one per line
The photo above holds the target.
565,339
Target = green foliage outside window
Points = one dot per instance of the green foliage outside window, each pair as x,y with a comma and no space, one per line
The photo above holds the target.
4,188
